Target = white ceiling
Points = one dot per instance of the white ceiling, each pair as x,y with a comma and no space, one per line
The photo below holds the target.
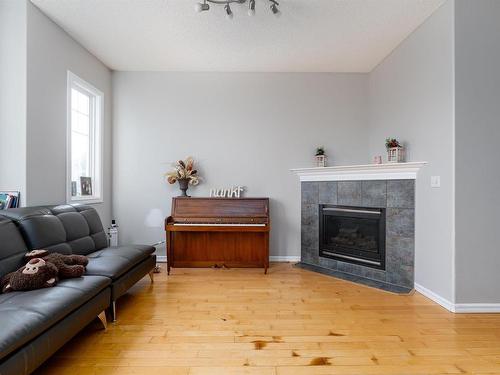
310,35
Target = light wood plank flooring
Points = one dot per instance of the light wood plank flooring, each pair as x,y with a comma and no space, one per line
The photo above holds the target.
291,321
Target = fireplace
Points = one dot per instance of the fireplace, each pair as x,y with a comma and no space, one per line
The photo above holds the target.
371,204
352,234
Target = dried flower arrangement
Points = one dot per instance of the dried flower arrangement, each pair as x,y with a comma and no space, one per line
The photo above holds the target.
185,174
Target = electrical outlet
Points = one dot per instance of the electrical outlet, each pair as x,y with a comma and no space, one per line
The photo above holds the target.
435,181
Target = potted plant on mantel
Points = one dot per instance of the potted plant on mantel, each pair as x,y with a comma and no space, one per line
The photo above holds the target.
395,151
185,174
320,157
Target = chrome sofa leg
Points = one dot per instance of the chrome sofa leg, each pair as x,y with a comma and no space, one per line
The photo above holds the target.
102,318
151,273
113,311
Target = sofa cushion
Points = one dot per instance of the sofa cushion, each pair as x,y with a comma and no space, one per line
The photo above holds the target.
44,231
12,247
146,249
113,262
25,315
75,225
96,230
66,229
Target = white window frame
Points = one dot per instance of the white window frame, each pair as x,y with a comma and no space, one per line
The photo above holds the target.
96,140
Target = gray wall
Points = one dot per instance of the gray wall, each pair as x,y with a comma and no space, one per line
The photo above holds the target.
411,98
477,50
13,96
250,129
51,52
246,129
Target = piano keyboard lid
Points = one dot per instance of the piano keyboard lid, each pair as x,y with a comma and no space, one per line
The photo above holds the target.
220,208
221,224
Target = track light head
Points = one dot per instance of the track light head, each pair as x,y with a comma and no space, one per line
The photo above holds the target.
201,7
275,9
251,8
229,12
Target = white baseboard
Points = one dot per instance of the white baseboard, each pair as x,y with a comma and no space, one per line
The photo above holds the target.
448,305
459,308
284,258
473,308
161,259
293,258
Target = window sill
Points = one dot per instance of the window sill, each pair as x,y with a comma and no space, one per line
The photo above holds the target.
90,200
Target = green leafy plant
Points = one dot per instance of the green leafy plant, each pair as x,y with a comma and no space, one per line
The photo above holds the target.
320,151
184,170
391,143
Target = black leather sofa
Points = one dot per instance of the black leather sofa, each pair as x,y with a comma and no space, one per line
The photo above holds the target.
35,324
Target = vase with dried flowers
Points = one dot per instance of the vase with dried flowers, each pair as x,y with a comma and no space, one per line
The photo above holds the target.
320,157
395,151
185,174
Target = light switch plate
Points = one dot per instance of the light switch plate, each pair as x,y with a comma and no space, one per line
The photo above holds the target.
435,181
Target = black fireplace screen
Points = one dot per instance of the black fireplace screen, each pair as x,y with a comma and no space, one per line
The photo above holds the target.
353,234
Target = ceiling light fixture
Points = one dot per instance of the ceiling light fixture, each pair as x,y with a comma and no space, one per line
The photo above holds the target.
205,6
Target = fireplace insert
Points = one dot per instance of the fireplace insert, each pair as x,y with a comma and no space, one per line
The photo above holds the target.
353,234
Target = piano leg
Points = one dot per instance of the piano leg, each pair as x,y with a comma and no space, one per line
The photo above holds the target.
266,254
169,251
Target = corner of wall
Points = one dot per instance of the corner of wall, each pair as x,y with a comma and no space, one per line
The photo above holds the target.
412,96
13,30
453,187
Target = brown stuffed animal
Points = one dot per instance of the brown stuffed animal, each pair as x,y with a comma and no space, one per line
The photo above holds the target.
69,266
36,274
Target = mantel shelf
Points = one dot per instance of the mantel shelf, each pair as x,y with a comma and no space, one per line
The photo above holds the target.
388,171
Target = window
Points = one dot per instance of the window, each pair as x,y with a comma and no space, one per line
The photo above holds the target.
84,148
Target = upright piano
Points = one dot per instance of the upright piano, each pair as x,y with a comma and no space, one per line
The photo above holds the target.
218,232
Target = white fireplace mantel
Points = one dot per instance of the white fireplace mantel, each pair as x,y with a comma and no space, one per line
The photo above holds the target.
389,171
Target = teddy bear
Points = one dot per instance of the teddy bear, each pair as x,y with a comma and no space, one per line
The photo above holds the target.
69,266
36,274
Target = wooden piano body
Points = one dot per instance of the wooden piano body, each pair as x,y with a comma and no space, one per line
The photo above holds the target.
220,232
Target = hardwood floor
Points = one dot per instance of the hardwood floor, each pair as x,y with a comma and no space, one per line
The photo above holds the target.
291,321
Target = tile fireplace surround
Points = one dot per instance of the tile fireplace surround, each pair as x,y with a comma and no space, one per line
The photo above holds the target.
387,186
